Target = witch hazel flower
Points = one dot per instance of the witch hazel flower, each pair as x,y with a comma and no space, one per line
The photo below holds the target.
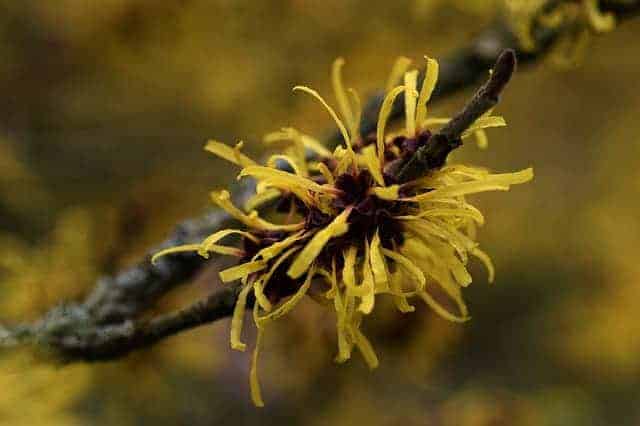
354,225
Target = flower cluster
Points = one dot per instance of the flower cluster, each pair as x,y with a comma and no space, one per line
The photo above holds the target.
349,229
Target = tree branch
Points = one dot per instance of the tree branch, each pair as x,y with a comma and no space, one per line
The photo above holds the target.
60,332
117,340
104,326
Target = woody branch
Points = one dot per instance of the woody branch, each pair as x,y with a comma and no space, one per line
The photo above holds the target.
107,324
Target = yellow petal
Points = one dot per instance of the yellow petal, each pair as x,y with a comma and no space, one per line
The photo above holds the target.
271,174
486,260
178,249
331,278
299,185
378,265
280,260
241,271
349,268
428,84
410,96
320,239
326,173
468,211
344,347
366,349
601,22
209,244
275,249
223,200
258,292
272,161
484,123
495,182
332,113
237,319
345,158
266,278
397,71
481,139
290,303
383,116
315,146
357,108
459,271
292,135
254,383
399,298
257,200
341,96
232,155
458,240
296,150
433,121
454,173
436,266
367,290
440,310
387,193
423,229
372,162
409,266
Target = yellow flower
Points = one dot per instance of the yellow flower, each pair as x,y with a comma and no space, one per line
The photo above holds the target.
577,20
352,230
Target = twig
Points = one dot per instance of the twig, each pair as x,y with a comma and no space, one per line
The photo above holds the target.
64,331
134,290
104,325
435,153
116,340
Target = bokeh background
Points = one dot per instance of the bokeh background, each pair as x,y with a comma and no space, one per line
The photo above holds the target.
106,107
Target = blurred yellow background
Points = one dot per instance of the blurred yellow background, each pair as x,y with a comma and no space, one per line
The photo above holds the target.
106,107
